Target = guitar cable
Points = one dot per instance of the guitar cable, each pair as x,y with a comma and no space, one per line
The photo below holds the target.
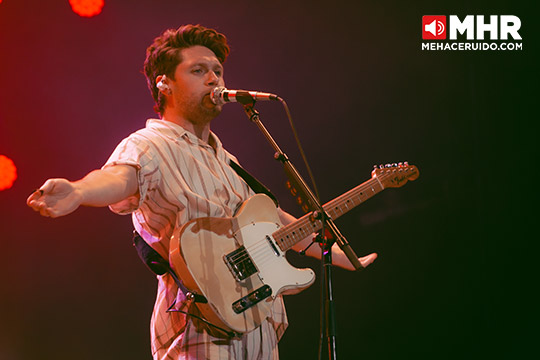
190,298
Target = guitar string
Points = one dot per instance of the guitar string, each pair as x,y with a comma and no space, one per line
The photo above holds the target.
338,206
257,247
255,257
244,254
334,206
252,254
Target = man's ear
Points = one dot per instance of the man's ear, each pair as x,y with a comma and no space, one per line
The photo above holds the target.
161,84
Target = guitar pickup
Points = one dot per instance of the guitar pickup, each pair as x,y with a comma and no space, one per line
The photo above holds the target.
251,299
240,264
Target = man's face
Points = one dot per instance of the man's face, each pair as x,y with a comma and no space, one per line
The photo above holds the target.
198,73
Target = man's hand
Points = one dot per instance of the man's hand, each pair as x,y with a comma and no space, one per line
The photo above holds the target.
57,197
338,256
346,264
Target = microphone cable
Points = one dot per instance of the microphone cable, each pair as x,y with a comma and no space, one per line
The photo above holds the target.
322,320
300,148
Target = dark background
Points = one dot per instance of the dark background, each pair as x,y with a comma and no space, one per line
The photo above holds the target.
456,272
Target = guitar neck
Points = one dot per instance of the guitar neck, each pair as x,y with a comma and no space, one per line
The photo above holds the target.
287,236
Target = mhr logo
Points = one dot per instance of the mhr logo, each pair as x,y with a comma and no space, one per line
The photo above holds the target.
434,27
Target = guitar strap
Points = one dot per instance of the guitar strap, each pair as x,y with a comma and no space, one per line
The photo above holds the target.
253,183
159,266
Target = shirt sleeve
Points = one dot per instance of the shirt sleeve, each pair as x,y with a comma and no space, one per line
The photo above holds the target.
136,152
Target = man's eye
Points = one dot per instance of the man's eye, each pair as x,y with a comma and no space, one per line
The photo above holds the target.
197,71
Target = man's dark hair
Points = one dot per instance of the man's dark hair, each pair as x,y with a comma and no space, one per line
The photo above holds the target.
163,56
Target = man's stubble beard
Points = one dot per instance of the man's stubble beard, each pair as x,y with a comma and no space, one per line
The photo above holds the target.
196,113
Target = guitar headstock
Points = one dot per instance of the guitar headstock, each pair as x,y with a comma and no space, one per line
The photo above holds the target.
395,175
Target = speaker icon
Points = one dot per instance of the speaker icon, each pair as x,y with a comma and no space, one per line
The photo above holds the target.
434,27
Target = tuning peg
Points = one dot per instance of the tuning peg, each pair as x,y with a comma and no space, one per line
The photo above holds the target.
406,163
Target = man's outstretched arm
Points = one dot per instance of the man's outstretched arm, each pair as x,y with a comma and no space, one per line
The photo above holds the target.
59,197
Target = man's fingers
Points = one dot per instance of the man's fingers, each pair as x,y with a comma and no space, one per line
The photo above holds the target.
366,260
38,193
43,211
48,186
36,205
31,199
33,204
34,196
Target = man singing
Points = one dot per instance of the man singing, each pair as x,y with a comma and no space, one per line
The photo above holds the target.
172,171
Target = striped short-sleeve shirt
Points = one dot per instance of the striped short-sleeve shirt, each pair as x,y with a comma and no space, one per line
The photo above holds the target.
180,178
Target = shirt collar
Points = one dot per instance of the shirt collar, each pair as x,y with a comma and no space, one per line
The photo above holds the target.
177,132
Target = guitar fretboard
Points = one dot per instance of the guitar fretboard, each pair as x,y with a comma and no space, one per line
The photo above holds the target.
295,232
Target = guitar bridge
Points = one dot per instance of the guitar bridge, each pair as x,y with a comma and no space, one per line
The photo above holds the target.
240,264
251,299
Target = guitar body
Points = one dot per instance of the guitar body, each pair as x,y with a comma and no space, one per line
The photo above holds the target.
236,264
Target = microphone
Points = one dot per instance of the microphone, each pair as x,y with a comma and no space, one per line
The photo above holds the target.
220,95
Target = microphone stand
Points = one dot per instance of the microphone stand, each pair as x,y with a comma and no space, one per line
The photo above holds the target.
318,213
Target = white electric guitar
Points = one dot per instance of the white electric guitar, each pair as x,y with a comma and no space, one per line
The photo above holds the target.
238,264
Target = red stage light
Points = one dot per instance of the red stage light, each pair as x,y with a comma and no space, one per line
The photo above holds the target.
8,172
86,8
